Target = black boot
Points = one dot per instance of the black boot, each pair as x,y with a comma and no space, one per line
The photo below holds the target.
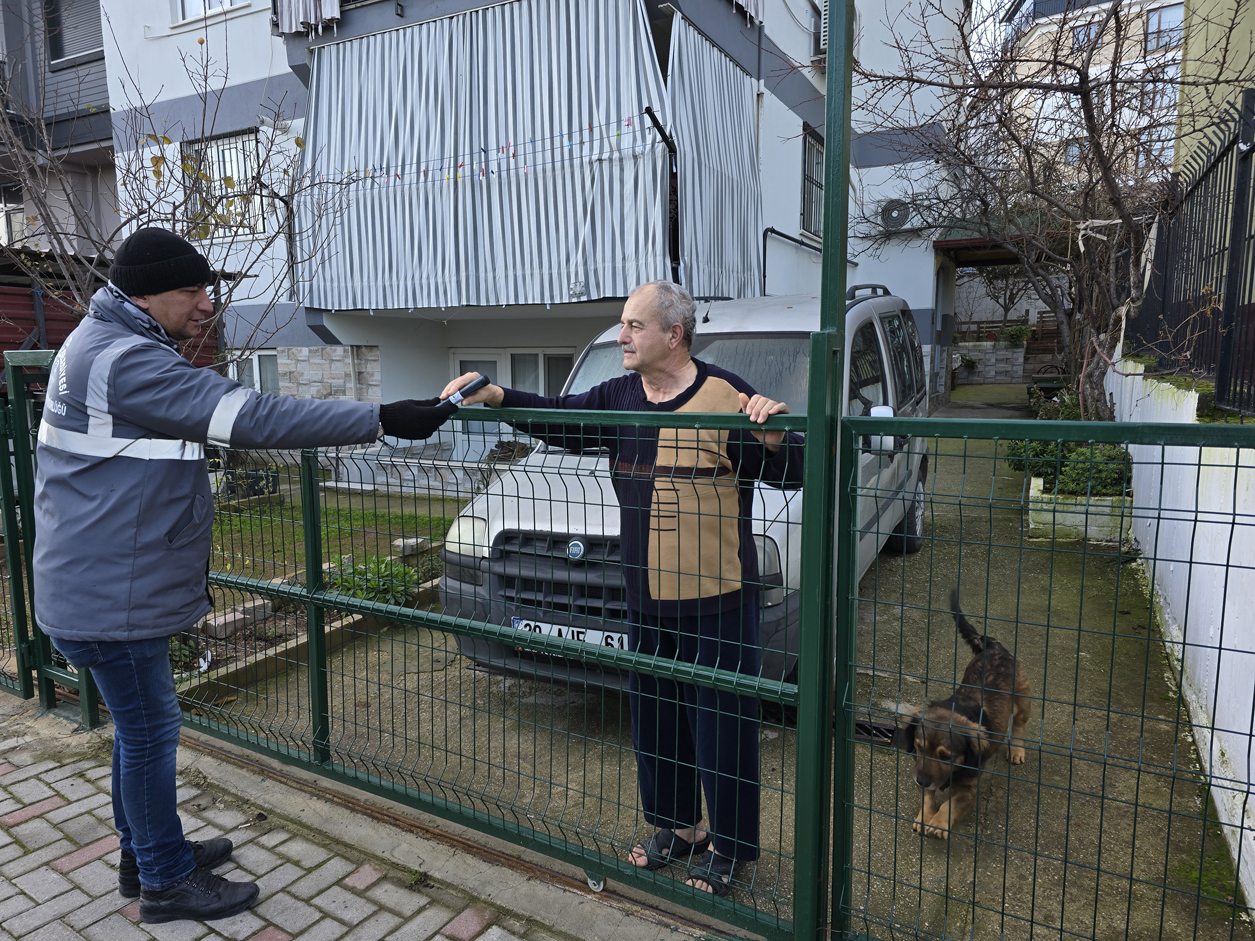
202,896
208,855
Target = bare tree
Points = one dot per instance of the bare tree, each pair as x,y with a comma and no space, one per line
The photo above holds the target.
250,207
1048,139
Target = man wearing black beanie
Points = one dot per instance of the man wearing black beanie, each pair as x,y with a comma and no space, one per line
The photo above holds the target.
124,516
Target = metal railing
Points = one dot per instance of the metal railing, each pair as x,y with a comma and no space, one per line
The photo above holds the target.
1199,310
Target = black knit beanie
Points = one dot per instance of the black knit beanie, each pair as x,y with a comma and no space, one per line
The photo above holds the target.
153,261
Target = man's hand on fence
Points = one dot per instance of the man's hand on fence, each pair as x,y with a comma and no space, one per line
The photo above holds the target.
414,418
759,409
490,395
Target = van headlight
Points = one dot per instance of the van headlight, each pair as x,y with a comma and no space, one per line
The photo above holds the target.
468,536
769,570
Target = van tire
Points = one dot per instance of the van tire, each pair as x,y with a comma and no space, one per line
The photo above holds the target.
908,537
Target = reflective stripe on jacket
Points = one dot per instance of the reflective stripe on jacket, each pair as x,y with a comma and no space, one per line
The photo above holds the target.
123,506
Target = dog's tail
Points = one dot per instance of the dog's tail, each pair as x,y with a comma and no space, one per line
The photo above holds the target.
974,638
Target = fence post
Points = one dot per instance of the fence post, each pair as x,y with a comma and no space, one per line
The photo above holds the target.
24,472
13,563
316,637
814,851
1237,253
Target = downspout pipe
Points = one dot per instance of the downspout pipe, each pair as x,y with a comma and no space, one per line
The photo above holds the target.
675,169
770,230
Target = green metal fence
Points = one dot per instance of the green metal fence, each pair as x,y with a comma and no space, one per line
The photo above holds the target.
360,632
481,676
1113,562
28,662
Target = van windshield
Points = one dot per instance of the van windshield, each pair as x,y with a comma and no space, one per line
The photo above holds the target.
774,364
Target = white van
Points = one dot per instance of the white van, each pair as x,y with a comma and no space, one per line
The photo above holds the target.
538,549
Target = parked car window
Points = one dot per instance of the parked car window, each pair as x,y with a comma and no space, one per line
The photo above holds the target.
917,351
867,374
900,359
775,365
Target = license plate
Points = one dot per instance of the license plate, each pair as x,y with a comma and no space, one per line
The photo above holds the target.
587,635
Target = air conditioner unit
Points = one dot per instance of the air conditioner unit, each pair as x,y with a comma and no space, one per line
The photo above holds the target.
895,214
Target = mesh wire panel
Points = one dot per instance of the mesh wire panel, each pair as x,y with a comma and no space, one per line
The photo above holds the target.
1084,775
471,623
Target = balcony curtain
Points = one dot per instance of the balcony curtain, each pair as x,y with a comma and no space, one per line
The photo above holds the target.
714,109
307,16
499,156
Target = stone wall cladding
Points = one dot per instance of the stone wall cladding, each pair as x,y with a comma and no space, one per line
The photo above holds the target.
994,364
322,372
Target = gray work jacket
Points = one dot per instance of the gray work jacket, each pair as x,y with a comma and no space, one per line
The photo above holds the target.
123,506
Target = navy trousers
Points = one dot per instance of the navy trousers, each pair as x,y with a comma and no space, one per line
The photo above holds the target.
689,738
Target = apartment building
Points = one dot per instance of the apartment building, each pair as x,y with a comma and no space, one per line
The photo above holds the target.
516,169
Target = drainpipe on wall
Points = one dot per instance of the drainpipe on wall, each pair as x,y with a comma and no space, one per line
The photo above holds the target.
675,169
353,371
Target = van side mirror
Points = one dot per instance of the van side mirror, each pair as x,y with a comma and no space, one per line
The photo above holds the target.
880,443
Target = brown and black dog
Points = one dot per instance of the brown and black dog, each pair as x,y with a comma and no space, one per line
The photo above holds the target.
951,738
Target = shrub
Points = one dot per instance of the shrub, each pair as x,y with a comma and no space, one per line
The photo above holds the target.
1015,334
1102,472
1063,407
968,362
375,578
1071,468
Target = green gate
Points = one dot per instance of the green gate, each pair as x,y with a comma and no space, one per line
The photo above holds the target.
28,663
1114,562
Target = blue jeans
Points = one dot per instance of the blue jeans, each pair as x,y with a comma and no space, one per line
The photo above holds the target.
136,684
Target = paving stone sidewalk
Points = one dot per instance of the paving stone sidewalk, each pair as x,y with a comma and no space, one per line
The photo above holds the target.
59,882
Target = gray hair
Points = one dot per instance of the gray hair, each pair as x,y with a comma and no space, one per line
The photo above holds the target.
674,306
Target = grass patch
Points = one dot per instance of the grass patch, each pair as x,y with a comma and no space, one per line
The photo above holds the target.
269,542
1212,876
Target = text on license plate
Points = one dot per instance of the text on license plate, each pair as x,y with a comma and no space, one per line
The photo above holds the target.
589,636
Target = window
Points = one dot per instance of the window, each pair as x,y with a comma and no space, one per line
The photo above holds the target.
1072,152
258,371
867,375
73,28
191,8
220,175
812,182
1083,37
541,371
905,381
14,209
1165,27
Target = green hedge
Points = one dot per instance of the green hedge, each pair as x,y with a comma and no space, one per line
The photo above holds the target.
1075,469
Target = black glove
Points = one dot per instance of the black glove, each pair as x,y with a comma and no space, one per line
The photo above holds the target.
414,418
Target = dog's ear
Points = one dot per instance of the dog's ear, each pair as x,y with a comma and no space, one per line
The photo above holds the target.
908,725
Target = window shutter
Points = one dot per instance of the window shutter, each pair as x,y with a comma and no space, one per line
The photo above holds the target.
74,28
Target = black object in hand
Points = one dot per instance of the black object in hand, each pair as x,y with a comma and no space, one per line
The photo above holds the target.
414,418
468,390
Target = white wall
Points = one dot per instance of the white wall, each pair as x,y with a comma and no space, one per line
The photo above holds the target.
791,269
145,47
1194,521
905,266
414,350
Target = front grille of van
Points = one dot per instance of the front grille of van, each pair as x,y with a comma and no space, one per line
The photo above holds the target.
539,575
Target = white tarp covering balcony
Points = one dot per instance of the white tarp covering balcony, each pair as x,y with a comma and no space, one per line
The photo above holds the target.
714,105
502,157
303,16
